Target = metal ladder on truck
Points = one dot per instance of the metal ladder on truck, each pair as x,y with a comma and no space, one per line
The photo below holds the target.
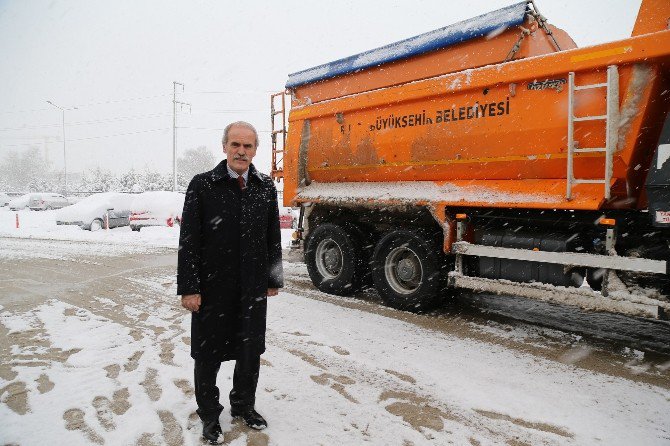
276,129
611,119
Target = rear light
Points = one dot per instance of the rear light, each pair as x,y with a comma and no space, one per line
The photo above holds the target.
134,216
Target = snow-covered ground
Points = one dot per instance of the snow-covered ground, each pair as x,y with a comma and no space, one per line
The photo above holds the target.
42,225
107,362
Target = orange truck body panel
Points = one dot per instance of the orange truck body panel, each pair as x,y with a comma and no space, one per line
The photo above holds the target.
461,127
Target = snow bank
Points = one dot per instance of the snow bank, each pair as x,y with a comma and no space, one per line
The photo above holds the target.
42,225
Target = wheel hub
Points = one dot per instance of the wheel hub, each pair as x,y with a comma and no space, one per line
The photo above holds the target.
332,259
406,269
329,259
403,270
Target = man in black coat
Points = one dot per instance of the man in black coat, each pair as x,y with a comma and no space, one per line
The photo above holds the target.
229,263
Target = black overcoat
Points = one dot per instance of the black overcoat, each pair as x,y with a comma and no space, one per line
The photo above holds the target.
229,253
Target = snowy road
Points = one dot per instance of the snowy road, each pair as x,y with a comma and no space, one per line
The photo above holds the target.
94,350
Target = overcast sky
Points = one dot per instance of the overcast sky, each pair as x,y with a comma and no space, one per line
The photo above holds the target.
112,64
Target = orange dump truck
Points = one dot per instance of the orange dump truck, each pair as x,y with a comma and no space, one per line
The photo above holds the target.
491,155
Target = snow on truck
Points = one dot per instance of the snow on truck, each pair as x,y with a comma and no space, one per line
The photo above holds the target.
491,155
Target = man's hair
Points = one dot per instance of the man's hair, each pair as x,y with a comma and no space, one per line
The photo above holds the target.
224,140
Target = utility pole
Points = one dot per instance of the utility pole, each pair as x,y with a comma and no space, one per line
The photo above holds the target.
174,130
64,153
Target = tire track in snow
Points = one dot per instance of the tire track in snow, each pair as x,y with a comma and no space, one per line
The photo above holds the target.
547,343
402,398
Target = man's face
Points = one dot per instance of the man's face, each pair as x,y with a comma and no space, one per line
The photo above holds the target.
240,148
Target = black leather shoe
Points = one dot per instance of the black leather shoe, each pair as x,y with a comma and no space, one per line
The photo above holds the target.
251,418
211,432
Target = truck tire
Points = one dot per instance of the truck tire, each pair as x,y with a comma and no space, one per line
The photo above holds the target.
333,257
406,271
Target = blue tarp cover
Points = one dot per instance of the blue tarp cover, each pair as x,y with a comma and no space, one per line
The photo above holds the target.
482,25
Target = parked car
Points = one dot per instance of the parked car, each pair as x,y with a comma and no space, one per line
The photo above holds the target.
44,201
159,208
20,203
92,212
4,199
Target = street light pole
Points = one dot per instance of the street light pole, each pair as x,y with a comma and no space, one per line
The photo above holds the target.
64,153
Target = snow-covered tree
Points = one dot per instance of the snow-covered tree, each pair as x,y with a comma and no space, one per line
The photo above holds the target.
100,180
195,161
27,171
132,181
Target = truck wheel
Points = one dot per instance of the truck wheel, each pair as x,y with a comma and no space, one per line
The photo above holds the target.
332,258
406,271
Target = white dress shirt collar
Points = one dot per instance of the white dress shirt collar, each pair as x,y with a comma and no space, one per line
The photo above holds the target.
234,174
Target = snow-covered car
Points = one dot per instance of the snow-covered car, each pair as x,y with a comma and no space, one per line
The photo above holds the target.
20,203
44,201
93,212
159,208
4,199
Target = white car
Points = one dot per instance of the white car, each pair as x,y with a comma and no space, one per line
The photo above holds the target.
159,208
4,199
44,201
97,211
20,203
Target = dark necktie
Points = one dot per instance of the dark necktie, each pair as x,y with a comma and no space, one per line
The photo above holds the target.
240,181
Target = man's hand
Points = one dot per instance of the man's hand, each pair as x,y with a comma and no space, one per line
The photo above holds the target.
273,291
191,302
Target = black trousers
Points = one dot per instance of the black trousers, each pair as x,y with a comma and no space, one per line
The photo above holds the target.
243,395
